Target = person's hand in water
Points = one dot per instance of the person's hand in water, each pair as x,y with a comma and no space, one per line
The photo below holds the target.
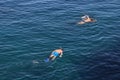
60,56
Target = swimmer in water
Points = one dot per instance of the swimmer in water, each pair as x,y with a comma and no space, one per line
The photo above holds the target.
86,19
55,53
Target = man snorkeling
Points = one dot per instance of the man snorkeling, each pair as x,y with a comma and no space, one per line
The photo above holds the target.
55,53
86,19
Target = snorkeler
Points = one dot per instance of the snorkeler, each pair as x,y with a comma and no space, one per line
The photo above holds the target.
55,53
86,19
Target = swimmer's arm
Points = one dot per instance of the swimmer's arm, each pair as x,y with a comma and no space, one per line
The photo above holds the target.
85,17
61,54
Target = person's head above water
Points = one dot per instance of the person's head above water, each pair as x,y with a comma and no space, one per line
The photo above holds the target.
61,48
93,20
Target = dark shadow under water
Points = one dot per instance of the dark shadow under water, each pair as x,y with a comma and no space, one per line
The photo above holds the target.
103,65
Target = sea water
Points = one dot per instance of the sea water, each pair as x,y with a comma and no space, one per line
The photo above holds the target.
31,29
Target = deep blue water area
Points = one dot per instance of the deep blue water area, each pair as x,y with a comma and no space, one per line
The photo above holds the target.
31,29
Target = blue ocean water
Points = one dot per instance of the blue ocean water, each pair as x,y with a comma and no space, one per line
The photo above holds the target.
31,29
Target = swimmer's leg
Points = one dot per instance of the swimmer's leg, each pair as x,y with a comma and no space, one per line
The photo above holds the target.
82,22
52,57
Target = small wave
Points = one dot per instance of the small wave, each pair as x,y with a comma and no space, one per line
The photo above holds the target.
35,1
4,1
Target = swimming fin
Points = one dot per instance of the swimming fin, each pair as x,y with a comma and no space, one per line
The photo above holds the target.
47,60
